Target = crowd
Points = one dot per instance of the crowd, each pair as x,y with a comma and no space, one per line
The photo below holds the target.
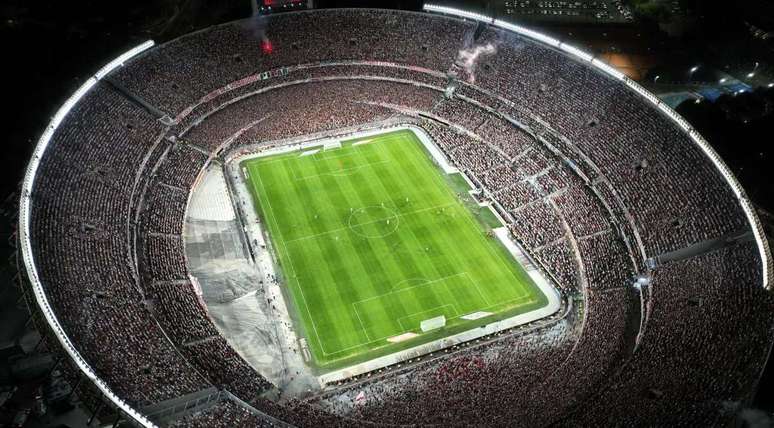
109,177
163,209
216,100
179,311
79,230
537,224
461,113
226,413
512,141
183,71
703,349
181,166
226,368
645,163
580,207
606,260
561,262
503,177
289,112
163,258
533,377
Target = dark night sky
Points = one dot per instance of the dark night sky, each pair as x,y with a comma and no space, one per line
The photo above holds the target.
55,45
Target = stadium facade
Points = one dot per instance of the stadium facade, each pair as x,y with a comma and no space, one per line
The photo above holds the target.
660,259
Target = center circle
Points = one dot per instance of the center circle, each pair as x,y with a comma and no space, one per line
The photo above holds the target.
373,222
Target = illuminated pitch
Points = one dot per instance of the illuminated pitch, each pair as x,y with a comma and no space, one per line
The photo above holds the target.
373,238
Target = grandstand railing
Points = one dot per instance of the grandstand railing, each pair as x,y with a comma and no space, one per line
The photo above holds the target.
25,211
736,187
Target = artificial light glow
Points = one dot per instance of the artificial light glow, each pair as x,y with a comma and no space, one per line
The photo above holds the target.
757,229
25,242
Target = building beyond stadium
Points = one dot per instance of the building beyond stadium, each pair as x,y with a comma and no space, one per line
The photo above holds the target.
661,264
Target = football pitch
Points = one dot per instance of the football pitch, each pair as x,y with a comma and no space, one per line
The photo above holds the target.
372,238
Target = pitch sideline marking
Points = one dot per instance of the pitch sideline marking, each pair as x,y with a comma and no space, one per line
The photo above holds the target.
439,181
469,216
410,288
361,324
436,178
292,266
338,173
475,285
300,288
527,299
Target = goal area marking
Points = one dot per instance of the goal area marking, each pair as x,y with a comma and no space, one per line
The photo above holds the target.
400,328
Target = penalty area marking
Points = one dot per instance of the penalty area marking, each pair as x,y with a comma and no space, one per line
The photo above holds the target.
361,324
412,287
339,173
521,300
400,320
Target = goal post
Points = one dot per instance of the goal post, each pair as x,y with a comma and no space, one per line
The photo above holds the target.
432,323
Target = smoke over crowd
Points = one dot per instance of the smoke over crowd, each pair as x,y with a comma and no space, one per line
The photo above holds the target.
469,58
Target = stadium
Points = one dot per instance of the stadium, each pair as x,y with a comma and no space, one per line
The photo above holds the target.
366,217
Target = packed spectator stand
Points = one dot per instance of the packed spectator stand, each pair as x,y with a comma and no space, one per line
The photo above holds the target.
596,183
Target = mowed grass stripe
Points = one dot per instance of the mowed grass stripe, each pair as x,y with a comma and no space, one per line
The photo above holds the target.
352,291
382,323
484,263
389,182
309,260
386,182
433,296
319,274
285,260
427,227
341,329
333,198
367,271
410,180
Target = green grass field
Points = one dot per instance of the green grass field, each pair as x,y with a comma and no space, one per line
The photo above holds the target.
372,238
